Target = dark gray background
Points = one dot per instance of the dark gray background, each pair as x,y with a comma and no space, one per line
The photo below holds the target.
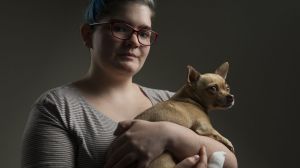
40,48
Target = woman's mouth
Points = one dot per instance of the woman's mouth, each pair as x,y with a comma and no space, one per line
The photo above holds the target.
127,55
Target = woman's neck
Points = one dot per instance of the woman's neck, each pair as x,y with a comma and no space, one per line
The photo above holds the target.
102,82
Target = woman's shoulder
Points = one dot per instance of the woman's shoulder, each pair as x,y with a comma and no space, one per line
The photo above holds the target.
56,95
61,102
157,95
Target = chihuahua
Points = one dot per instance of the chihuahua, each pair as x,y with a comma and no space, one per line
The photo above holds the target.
190,105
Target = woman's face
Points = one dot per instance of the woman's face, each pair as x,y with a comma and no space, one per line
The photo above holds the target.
116,56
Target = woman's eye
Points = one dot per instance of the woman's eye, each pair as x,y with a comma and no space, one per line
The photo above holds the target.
145,34
117,28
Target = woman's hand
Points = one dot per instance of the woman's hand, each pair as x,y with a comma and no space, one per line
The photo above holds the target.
139,145
196,161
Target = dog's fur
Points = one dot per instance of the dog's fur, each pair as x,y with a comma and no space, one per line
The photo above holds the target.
189,107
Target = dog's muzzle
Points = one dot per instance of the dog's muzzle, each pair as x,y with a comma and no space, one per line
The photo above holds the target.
229,101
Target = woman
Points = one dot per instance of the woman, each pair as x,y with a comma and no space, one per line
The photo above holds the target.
73,125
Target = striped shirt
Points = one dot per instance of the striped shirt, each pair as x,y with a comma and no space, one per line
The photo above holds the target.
63,130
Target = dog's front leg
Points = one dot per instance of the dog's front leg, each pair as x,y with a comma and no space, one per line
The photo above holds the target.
216,135
202,128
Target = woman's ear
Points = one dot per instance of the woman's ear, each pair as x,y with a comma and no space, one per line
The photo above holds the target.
86,35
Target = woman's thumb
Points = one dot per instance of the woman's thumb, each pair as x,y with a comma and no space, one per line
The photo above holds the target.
123,126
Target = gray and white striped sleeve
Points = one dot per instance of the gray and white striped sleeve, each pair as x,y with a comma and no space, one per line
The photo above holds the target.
46,141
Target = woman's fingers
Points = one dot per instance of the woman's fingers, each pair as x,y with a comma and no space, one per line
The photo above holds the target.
196,161
118,142
126,161
118,155
142,164
188,162
202,163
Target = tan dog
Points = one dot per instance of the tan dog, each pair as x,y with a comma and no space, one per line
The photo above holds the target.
189,107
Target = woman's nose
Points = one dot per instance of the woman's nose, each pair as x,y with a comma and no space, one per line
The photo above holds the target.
133,41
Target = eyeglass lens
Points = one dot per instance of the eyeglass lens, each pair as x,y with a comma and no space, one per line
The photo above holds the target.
124,31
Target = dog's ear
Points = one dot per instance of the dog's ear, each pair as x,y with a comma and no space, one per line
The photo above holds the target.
223,70
193,75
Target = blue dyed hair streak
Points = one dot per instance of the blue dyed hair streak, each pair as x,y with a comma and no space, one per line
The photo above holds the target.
97,9
93,10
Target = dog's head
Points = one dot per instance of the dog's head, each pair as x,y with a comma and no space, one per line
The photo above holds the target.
211,89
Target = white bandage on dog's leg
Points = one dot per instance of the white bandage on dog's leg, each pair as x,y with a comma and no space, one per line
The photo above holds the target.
216,160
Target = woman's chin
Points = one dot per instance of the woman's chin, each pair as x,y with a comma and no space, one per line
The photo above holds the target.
129,68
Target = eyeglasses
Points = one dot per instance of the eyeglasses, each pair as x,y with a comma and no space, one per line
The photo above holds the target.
124,31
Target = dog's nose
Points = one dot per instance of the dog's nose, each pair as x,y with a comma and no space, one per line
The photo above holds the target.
230,98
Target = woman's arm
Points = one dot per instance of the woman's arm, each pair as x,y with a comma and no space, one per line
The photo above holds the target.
184,142
144,140
46,143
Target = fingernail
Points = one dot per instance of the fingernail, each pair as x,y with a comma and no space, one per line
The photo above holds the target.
196,157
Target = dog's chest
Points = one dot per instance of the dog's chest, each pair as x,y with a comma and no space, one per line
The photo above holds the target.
182,113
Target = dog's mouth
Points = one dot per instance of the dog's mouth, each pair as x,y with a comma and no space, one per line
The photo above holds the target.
225,103
229,104
229,99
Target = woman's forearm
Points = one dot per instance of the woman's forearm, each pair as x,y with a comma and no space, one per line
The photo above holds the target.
183,142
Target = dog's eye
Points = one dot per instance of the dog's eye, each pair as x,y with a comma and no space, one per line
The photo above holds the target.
213,89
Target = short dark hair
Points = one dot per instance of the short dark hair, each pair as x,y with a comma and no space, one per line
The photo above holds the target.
97,9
